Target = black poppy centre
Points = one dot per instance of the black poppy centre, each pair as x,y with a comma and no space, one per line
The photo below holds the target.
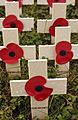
59,25
56,0
13,25
62,52
11,54
15,0
38,88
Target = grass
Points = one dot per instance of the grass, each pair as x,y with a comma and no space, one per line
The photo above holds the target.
61,107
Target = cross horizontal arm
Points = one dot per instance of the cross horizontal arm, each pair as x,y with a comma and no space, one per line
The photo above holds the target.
25,2
48,51
44,2
29,51
27,22
74,25
44,24
59,86
75,51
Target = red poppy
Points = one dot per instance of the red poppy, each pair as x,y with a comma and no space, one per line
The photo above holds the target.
57,23
20,2
63,51
11,53
35,87
50,2
11,21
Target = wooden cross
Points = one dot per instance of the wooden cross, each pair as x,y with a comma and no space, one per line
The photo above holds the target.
11,34
44,2
13,8
58,11
48,51
38,67
61,34
24,2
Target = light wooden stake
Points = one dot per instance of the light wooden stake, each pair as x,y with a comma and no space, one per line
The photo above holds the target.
11,36
48,51
38,67
58,11
12,8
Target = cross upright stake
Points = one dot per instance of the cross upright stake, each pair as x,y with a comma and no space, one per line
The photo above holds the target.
38,68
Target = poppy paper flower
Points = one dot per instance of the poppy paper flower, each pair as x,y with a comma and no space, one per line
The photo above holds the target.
11,21
11,53
57,23
50,2
35,87
20,2
63,51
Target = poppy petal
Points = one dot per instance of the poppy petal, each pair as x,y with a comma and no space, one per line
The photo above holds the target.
57,23
32,83
63,45
10,61
52,30
50,2
20,3
16,48
19,25
7,26
44,94
9,19
64,59
11,53
60,22
4,53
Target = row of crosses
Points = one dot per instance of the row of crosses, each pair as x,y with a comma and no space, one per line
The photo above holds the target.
39,67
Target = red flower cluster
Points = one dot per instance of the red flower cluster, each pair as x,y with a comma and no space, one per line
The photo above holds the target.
11,53
11,21
50,2
57,23
35,87
63,51
20,2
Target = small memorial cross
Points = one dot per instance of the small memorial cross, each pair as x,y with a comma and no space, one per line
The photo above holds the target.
10,26
58,12
39,103
50,2
62,38
10,35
